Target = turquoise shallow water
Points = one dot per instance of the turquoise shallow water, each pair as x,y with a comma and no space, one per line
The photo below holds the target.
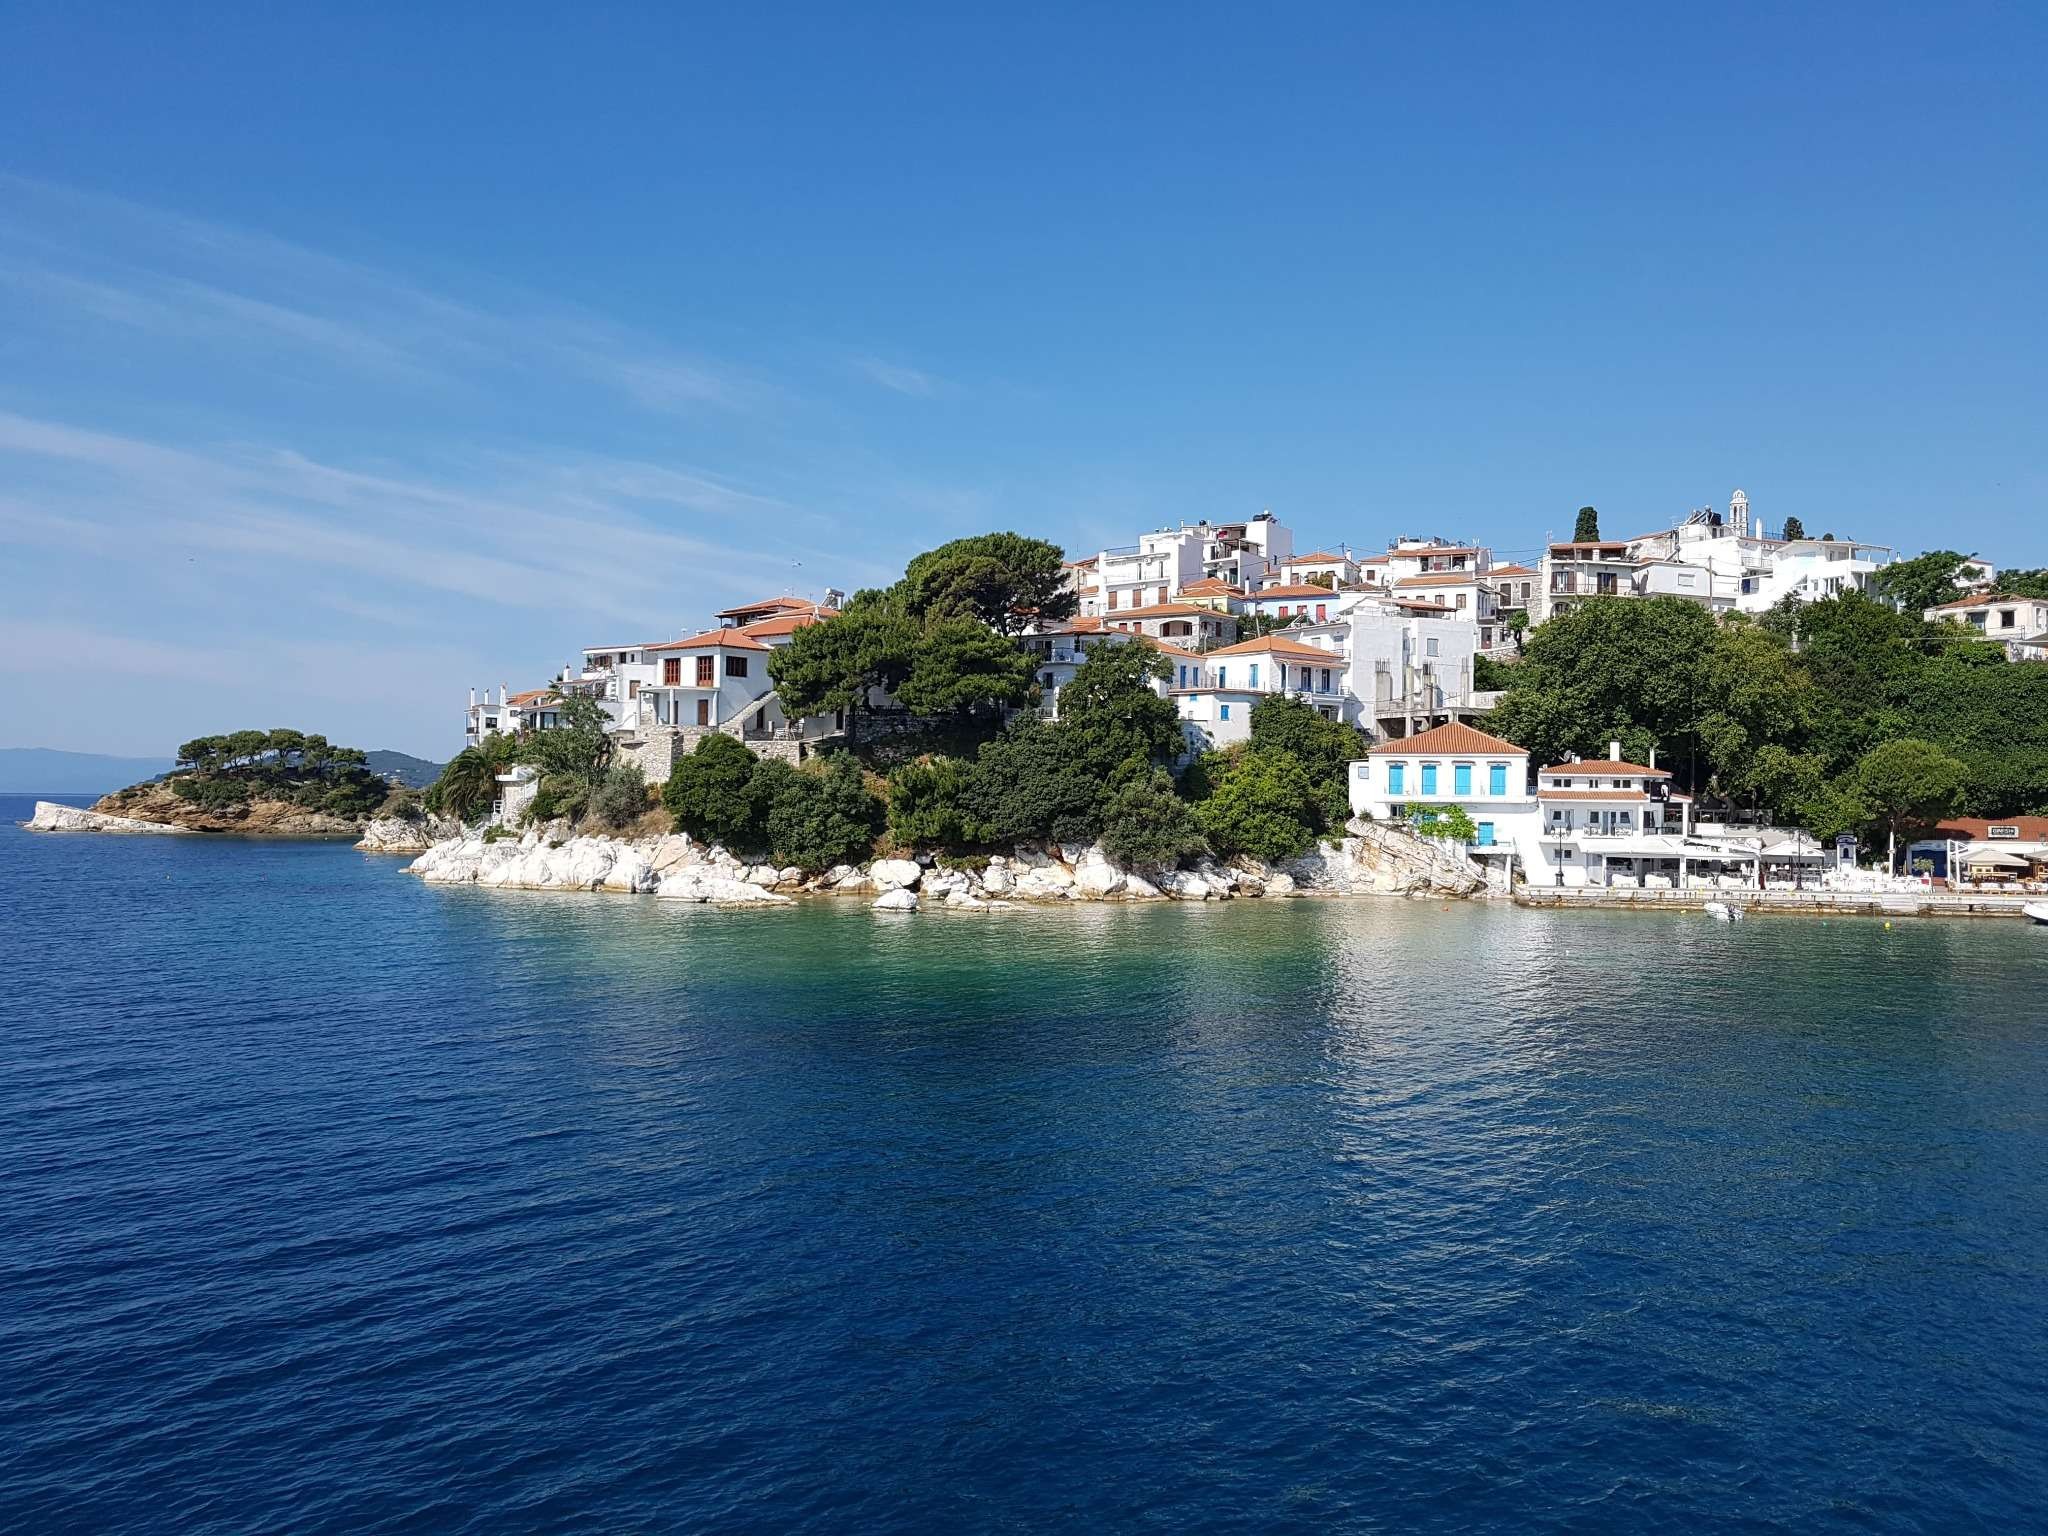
335,1202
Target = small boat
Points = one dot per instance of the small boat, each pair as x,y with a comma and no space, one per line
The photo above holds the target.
2038,911
1721,912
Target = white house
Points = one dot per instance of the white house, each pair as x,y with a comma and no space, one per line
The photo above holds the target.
1450,766
1410,556
1467,593
1304,601
1215,691
1193,625
1811,571
536,709
1338,568
2019,623
1409,665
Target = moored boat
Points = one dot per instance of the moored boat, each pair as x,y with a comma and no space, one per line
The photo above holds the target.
2038,911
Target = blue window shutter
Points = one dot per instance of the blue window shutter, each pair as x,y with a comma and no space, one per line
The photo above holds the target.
1461,778
1397,774
1429,778
1497,779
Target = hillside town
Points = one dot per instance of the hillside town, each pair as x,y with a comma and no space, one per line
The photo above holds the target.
1408,643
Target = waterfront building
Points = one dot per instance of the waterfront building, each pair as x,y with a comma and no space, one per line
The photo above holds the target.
1453,766
535,709
2008,851
2020,624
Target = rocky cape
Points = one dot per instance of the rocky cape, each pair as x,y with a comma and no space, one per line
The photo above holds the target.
160,810
1368,860
52,817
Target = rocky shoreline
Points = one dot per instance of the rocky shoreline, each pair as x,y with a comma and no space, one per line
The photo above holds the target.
1367,861
49,816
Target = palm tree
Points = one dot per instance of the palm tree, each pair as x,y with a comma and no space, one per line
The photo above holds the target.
466,785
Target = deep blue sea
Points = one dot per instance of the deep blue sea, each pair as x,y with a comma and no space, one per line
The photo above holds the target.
334,1202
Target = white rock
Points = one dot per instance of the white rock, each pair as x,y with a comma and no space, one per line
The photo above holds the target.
901,899
944,882
790,874
762,874
893,874
1138,888
1280,883
631,871
965,901
1185,885
706,885
673,852
996,879
1096,878
52,817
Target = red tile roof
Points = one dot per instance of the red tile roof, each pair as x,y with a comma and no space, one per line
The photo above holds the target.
1455,739
789,623
1511,570
1279,645
1211,586
764,604
1591,794
1439,579
2032,829
712,639
1297,589
1610,767
1164,611
1320,557
533,696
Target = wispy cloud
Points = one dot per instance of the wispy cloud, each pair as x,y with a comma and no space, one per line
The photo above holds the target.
900,377
243,459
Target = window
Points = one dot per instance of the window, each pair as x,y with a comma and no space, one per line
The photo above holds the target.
2006,617
1461,600
671,671
1461,778
1496,778
735,666
1326,679
704,678
1397,777
1112,599
1222,677
1430,646
1255,675
1224,710
1429,778
1685,578
1486,834
1322,613
1183,674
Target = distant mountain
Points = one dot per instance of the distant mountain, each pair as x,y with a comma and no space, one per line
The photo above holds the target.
43,770
412,772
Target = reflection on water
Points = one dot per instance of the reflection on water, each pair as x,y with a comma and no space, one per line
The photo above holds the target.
340,1202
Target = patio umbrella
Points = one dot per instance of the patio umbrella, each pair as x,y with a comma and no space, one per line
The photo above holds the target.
1992,858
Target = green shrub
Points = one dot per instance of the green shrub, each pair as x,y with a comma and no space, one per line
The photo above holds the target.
1034,783
1264,806
210,794
1146,824
621,795
707,792
821,818
1450,825
925,805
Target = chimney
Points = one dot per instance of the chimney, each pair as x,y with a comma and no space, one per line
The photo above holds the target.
1614,751
1653,757
472,698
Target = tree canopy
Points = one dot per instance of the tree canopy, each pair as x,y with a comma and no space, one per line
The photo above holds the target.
1794,528
1587,529
1925,581
1003,579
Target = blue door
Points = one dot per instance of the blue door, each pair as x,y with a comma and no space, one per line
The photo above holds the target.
1486,834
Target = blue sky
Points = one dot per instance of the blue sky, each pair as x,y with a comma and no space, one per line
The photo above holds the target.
349,360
